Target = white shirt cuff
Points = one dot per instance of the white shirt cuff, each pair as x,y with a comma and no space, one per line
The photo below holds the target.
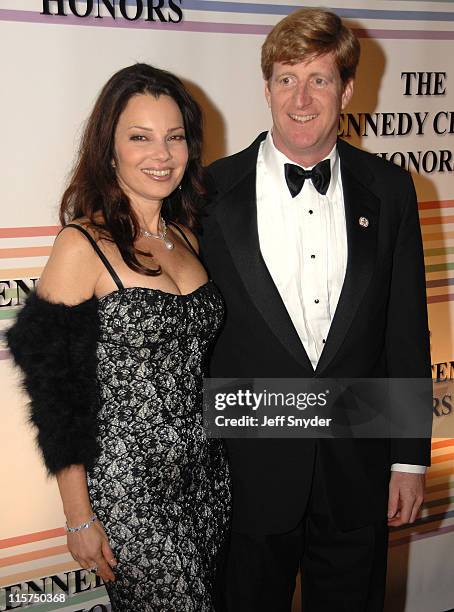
408,467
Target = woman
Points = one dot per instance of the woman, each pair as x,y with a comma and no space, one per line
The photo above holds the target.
113,344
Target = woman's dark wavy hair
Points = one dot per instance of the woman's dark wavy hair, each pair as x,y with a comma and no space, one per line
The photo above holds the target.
93,190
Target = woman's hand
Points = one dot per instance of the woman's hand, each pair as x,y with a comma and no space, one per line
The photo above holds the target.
90,548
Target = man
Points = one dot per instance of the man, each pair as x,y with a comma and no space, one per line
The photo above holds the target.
321,277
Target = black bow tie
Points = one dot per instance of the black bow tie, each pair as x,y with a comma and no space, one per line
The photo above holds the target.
320,176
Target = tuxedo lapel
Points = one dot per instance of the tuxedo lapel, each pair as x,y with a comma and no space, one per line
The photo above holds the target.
237,218
236,214
362,209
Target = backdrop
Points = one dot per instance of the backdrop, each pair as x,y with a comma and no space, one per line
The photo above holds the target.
56,55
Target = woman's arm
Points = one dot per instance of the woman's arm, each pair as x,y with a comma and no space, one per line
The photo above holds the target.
72,482
54,342
70,277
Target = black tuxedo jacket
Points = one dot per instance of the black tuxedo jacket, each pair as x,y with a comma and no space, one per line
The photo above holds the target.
379,330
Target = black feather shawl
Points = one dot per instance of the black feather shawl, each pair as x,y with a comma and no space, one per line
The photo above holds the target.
55,346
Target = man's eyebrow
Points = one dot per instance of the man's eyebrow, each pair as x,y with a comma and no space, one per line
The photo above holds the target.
291,72
325,75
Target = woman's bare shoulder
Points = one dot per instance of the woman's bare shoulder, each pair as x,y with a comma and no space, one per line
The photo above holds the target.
73,267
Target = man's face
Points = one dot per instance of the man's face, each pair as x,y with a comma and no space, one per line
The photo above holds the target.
305,101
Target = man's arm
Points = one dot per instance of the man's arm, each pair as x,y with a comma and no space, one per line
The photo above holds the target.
408,356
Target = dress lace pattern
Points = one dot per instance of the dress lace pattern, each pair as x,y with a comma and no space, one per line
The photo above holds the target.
159,486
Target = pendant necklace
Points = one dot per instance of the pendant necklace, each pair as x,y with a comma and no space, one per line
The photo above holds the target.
161,235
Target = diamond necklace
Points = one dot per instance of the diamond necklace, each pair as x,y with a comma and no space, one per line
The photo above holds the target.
161,235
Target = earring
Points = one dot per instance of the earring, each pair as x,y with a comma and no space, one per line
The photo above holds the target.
114,165
179,187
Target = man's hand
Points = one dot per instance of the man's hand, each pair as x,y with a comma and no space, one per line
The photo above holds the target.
406,494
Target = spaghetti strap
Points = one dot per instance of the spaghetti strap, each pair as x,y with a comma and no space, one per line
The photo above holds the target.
185,238
98,251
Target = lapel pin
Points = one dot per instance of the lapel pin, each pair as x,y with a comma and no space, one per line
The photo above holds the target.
363,221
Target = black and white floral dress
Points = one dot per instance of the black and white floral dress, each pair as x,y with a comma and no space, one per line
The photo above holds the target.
159,486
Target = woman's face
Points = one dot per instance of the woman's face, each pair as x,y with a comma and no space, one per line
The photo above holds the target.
151,152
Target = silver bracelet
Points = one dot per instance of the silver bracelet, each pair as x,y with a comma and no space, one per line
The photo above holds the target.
86,525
